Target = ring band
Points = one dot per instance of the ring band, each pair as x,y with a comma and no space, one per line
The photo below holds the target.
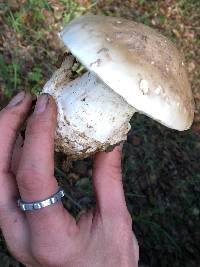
29,206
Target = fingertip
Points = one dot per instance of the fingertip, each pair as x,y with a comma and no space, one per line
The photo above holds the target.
45,105
17,110
12,118
20,101
118,148
42,122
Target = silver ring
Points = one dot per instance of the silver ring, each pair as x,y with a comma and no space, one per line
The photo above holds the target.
29,206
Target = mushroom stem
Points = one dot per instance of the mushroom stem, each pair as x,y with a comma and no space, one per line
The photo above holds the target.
91,116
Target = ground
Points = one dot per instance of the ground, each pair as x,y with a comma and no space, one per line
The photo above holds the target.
161,167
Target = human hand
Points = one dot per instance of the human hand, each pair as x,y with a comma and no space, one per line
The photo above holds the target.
51,236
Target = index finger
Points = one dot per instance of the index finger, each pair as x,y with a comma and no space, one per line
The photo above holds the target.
35,176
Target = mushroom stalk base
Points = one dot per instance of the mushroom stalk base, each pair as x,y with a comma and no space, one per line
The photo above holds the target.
91,116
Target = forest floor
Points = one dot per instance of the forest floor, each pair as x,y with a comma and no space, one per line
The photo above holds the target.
161,167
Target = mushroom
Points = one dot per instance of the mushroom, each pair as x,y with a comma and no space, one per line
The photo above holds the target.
131,68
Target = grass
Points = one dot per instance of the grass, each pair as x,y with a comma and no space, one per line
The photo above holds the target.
161,167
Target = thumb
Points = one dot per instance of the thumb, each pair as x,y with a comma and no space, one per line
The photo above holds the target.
107,179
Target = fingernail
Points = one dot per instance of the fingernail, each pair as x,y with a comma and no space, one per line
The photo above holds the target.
17,99
41,103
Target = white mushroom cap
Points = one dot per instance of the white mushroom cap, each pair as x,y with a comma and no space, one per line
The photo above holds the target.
138,63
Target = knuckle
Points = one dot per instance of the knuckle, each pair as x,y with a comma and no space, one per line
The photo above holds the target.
124,224
37,125
29,180
124,218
